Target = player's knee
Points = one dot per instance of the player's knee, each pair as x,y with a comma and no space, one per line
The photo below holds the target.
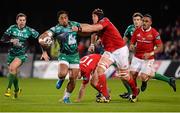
124,73
101,68
144,77
62,74
12,69
133,74
93,83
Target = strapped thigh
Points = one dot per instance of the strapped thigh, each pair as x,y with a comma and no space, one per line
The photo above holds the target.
106,60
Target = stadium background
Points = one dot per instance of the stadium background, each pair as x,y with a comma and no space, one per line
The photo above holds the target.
42,16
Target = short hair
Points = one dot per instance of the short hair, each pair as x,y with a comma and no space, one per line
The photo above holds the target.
148,15
62,12
20,15
137,14
99,12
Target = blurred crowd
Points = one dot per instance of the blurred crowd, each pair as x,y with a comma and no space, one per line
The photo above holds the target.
170,36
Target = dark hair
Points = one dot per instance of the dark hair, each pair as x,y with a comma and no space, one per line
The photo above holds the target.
148,15
62,12
20,15
99,13
137,14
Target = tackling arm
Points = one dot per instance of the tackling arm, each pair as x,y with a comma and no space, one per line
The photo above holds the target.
91,28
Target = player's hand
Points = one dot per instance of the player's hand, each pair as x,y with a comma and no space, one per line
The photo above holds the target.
46,39
75,28
131,48
15,41
45,56
146,55
91,48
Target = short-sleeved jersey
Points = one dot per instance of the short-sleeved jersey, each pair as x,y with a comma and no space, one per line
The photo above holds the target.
22,34
129,32
110,36
66,38
87,65
146,41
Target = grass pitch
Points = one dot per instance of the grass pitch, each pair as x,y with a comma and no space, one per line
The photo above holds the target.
40,95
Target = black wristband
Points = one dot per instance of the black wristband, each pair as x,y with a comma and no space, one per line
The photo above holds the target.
79,29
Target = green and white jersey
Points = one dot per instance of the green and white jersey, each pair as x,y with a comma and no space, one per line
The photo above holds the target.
129,32
22,34
66,38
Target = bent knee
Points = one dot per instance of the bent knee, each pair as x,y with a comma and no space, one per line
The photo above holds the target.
100,70
12,69
144,77
62,74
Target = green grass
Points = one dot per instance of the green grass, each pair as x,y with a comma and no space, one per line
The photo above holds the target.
41,95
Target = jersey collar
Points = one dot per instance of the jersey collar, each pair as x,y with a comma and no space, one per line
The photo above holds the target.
146,30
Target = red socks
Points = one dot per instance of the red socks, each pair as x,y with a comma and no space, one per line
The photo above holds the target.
102,85
133,86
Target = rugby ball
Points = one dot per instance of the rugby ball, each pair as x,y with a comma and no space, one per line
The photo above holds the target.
47,41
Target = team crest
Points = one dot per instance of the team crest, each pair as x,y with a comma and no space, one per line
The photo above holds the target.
149,36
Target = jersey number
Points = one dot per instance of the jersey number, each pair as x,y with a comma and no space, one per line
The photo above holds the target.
87,60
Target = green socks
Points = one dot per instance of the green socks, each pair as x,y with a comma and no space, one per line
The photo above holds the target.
157,76
127,86
161,77
11,80
16,86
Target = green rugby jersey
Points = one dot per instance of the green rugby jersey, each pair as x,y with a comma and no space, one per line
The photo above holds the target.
22,34
129,32
66,38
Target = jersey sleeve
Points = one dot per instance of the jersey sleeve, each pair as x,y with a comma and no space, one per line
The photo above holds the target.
8,31
157,37
34,33
126,33
104,22
75,23
52,30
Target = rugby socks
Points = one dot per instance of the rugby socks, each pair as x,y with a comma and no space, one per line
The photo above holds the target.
133,86
67,95
11,80
127,86
102,85
16,86
161,77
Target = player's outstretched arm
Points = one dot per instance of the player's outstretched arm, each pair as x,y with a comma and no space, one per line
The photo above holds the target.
88,28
